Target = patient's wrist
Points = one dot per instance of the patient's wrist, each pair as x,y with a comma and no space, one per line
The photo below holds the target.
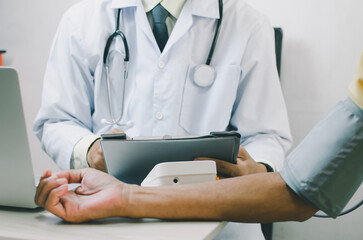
141,202
126,206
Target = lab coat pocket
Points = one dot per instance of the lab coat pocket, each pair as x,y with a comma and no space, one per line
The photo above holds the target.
209,109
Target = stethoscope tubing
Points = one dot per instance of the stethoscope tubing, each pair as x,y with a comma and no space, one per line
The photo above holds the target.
118,32
216,34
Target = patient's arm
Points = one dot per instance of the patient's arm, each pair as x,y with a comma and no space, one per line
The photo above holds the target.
260,197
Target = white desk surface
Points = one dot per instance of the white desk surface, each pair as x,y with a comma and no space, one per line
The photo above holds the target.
40,224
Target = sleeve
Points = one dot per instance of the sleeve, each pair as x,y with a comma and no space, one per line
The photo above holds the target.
67,98
259,113
326,168
80,151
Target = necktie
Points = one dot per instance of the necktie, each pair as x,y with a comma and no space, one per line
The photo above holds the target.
159,14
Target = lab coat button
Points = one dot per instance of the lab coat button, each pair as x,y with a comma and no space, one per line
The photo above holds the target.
161,64
159,115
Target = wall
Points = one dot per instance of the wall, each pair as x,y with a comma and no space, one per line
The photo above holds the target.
322,43
27,29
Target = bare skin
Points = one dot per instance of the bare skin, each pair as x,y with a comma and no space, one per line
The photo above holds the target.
245,165
262,197
101,195
254,198
97,197
95,157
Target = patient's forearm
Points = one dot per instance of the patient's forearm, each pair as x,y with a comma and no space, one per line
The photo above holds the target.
254,198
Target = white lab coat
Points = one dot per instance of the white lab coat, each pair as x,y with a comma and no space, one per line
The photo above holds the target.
161,97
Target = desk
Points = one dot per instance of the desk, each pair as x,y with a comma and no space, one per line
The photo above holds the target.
39,224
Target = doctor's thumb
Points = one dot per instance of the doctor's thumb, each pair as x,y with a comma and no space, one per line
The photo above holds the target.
118,131
115,130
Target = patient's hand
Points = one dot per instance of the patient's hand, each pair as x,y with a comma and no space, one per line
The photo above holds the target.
245,165
99,196
95,157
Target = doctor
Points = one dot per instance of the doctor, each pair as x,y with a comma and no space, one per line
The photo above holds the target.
156,92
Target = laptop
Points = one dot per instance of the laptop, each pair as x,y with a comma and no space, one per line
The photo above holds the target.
17,181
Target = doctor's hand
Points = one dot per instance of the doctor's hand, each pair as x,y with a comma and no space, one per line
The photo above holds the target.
99,196
245,165
95,157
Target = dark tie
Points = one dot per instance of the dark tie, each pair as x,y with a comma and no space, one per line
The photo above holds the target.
160,31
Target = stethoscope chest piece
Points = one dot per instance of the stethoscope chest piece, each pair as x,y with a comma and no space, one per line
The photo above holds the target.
204,75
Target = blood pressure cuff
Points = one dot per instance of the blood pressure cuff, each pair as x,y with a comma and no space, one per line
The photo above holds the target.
326,168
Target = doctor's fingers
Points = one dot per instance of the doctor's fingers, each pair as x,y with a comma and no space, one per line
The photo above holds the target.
243,154
115,130
47,186
227,169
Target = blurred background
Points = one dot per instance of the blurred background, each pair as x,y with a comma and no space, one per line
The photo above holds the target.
322,43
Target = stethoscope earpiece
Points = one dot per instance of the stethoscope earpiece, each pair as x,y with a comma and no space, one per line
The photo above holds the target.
104,121
129,124
204,75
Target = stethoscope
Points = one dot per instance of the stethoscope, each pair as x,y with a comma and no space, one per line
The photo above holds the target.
203,75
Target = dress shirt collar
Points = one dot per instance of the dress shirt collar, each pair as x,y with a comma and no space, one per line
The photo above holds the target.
202,8
174,7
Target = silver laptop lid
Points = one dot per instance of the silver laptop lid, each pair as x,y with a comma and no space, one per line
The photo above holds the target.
17,184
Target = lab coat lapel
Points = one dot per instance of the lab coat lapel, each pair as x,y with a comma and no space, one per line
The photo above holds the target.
205,8
182,26
140,17
199,8
125,3
143,23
